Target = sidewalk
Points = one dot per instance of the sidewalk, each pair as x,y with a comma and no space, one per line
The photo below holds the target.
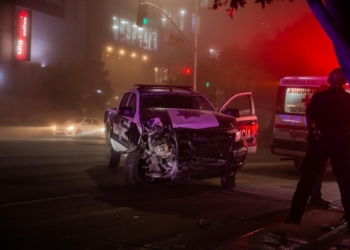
314,233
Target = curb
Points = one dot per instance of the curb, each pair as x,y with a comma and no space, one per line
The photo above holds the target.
309,235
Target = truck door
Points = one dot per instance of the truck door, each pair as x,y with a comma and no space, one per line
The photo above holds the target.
117,124
247,122
129,130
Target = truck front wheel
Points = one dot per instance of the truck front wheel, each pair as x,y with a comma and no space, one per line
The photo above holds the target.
134,173
229,181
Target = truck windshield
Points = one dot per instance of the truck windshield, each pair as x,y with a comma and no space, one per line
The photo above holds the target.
176,101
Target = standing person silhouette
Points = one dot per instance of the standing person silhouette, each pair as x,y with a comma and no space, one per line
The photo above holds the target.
316,195
330,111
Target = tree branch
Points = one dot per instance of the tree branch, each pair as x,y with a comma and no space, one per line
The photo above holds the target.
334,32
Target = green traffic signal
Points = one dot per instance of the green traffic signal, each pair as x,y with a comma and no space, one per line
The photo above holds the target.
145,20
141,17
207,84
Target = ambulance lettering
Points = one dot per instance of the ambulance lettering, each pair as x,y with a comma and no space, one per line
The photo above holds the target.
298,134
297,99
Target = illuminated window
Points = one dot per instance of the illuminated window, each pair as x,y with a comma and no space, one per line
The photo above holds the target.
126,31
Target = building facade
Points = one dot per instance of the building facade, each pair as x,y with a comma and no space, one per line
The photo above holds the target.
53,32
71,31
146,55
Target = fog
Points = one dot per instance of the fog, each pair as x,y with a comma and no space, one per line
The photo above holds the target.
256,48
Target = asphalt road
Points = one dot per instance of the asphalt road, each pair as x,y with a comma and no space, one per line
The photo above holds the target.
59,194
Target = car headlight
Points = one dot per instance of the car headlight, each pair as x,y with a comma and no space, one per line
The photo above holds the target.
70,128
238,136
54,128
102,129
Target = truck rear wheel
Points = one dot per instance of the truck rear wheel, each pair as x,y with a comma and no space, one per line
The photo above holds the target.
112,157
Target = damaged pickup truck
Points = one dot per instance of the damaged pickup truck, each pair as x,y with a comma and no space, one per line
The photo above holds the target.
175,133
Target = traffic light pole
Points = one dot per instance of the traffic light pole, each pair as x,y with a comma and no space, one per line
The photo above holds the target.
193,47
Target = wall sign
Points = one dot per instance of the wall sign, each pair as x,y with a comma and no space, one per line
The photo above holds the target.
51,7
23,35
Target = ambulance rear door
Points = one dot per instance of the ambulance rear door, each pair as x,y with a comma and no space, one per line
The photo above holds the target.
290,128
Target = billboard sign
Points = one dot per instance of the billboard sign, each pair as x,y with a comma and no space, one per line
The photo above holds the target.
23,35
174,40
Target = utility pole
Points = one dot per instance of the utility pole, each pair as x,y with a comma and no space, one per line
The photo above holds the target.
195,49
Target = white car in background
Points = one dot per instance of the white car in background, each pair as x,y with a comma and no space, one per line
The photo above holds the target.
80,126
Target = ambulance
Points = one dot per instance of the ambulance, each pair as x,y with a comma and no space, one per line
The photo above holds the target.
290,130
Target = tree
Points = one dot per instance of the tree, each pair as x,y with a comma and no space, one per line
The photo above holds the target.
334,19
332,15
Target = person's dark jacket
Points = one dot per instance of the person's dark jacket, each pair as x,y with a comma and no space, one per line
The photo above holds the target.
330,112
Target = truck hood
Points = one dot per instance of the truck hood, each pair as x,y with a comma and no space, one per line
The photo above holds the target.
189,118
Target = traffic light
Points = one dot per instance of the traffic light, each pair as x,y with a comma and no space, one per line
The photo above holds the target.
141,18
187,71
207,84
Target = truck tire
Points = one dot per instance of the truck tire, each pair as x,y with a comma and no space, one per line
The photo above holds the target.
298,162
228,181
112,157
133,169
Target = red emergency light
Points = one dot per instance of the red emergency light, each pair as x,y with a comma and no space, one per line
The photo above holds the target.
23,35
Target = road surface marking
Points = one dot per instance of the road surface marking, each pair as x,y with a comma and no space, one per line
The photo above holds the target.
35,201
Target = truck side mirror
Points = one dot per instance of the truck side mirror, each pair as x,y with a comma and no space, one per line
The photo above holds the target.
232,112
125,111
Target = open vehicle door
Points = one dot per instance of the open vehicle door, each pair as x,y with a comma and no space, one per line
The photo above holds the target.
241,106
